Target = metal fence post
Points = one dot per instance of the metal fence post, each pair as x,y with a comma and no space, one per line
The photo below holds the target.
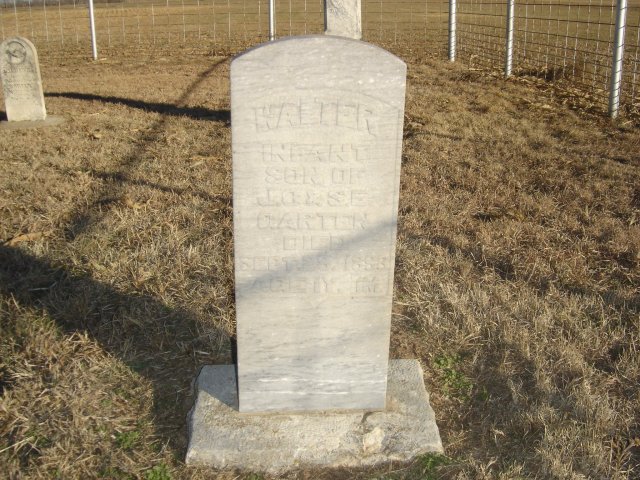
92,28
272,20
452,30
508,60
616,61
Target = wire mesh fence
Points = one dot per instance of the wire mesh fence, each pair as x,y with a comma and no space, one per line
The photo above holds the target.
630,89
481,32
552,41
420,22
567,43
572,40
65,22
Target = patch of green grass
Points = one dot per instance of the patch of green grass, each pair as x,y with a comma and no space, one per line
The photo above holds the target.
484,394
123,393
159,472
38,439
254,476
426,467
455,383
430,464
57,473
127,440
115,473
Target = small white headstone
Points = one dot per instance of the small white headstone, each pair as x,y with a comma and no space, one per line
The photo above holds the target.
21,84
317,137
343,18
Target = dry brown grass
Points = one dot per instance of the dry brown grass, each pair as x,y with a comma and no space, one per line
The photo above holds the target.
517,280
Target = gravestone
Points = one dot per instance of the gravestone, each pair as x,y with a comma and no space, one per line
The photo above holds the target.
343,18
316,126
316,139
21,83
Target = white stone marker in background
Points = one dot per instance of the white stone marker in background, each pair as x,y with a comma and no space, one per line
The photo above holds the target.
316,126
21,83
343,18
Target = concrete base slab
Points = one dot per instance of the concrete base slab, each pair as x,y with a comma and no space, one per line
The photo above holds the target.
223,438
50,121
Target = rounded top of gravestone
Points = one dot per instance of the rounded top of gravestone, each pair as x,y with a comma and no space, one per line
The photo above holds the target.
15,50
314,62
316,44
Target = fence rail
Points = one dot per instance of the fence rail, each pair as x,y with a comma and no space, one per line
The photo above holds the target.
568,43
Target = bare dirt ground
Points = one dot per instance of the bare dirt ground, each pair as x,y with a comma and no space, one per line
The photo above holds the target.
517,277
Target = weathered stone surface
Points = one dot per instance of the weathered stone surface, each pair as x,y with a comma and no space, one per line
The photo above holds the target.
223,438
317,135
343,18
21,84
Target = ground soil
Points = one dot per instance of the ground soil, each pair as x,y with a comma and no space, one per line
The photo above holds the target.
517,274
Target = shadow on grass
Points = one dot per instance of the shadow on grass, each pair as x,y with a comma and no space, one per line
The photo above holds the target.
513,412
197,113
505,268
163,344
89,213
223,200
503,399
